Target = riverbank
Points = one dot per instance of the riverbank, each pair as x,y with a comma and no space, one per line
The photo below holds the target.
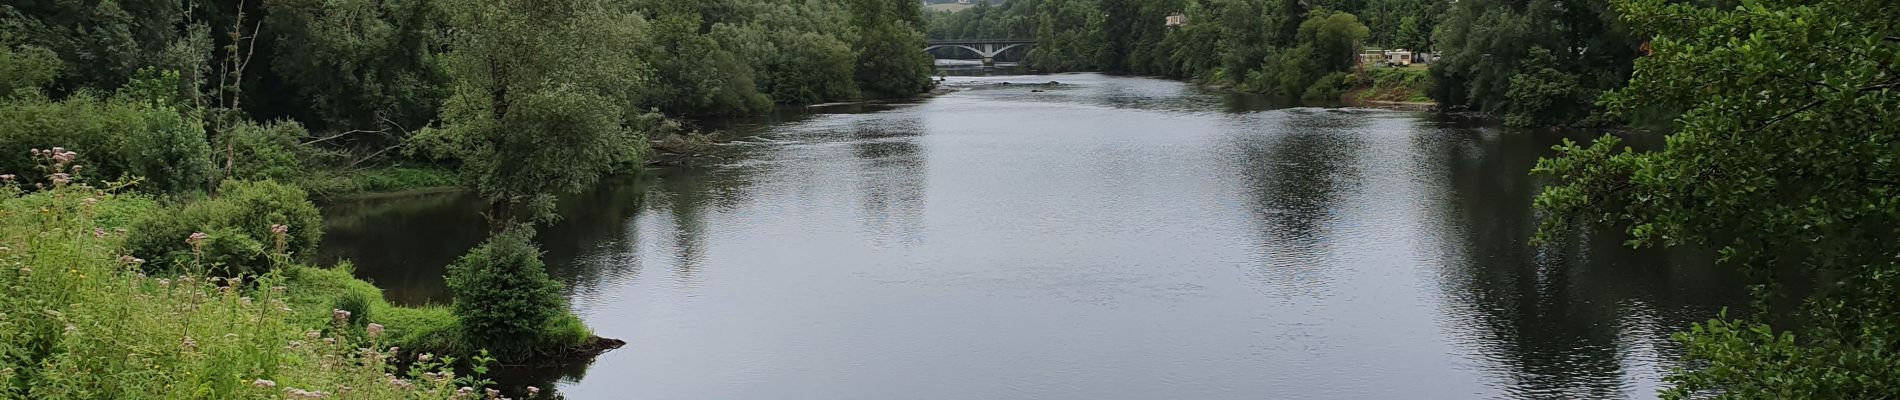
84,320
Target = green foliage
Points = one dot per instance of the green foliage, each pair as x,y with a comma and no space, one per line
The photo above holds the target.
389,179
710,82
117,139
359,64
102,44
544,95
1783,158
1563,51
503,297
26,70
267,152
1390,84
238,223
1541,94
1327,88
76,321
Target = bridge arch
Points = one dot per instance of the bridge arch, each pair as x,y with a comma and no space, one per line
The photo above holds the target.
986,48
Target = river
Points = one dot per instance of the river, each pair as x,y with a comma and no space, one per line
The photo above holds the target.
1105,238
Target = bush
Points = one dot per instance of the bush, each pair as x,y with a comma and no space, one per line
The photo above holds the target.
115,139
239,227
1327,88
503,298
267,152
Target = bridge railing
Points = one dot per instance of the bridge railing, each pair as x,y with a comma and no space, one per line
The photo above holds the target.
978,41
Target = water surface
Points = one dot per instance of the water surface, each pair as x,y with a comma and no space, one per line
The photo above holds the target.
1105,238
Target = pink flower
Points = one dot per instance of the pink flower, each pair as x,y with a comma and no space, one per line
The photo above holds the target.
263,383
492,393
374,330
190,344
279,229
533,391
340,315
7,177
196,238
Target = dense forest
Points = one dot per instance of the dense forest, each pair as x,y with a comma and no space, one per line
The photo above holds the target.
1289,47
160,159
1562,53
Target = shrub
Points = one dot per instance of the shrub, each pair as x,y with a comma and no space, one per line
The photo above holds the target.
503,298
267,152
239,225
115,138
1327,88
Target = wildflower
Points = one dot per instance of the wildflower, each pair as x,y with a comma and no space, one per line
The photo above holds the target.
492,393
98,232
190,344
533,391
393,350
400,383
374,330
277,289
296,393
130,260
294,344
61,178
464,391
263,383
7,177
313,335
340,315
279,229
246,301
196,238
425,357
164,282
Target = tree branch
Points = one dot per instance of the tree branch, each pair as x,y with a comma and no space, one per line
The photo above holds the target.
351,132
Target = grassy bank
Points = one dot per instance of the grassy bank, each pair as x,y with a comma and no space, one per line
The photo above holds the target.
79,319
1408,85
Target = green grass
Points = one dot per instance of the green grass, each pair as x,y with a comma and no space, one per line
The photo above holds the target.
401,178
1401,84
78,320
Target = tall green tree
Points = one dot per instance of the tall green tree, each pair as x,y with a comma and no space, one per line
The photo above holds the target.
890,36
1489,44
544,100
1784,157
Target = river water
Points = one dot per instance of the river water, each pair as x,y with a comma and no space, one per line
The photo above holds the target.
1105,238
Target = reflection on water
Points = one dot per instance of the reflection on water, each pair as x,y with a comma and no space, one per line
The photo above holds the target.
1103,238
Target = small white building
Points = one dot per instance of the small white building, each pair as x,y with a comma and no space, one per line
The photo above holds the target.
1177,19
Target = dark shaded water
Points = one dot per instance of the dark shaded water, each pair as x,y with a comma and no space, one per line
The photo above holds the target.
1108,238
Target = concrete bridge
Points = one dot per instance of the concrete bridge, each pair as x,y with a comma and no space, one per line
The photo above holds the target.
986,48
